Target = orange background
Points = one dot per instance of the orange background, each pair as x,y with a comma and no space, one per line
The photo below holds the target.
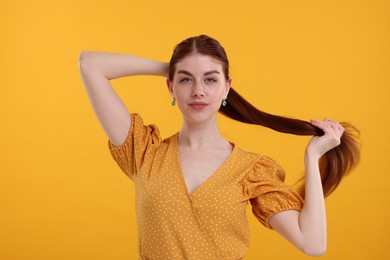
61,194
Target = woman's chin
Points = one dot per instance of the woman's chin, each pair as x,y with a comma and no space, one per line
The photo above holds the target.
199,117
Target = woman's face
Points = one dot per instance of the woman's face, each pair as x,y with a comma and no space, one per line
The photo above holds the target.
198,87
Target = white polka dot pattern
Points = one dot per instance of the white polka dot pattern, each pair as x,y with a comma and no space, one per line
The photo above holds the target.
211,222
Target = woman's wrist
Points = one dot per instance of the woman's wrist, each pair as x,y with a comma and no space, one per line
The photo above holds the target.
163,70
311,157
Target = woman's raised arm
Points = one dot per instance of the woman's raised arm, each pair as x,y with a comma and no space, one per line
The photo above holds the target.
97,69
307,229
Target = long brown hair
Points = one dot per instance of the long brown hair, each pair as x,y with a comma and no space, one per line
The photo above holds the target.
334,165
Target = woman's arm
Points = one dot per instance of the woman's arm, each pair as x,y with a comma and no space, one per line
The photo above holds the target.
307,229
97,69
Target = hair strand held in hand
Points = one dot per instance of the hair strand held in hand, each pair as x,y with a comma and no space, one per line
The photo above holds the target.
334,165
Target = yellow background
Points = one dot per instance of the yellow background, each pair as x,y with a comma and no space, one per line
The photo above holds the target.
61,194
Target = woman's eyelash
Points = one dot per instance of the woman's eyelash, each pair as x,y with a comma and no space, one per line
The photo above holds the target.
211,79
207,79
185,79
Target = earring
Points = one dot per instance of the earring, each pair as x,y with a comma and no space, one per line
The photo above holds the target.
173,103
224,103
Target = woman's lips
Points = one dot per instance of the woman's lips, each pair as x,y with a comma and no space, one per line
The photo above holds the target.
198,105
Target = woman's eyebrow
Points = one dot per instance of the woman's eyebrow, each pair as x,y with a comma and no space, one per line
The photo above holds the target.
184,72
211,72
205,74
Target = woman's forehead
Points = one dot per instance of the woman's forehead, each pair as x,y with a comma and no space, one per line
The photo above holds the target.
199,63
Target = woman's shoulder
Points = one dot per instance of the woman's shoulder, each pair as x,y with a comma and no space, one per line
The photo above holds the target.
256,156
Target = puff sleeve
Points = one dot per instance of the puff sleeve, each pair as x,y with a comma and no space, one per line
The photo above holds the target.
268,194
140,145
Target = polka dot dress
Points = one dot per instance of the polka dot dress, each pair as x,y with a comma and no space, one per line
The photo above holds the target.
209,223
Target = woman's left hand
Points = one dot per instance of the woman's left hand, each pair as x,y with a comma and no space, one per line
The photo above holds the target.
333,131
306,229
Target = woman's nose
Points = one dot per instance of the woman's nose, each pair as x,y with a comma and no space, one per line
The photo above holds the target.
198,90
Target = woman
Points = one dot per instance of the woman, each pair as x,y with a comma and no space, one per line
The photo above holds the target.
192,188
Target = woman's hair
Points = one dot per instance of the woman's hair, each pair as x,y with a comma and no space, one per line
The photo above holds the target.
334,165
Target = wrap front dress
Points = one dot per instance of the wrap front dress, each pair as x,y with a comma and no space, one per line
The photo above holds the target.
211,222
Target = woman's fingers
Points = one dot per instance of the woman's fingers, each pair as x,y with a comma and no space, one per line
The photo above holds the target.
336,126
333,131
328,125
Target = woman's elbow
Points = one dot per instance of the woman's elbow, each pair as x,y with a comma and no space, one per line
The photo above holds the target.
84,58
315,250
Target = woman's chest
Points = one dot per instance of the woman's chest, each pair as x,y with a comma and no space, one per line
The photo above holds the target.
197,167
166,192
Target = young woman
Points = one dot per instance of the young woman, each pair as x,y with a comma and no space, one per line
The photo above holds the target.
192,188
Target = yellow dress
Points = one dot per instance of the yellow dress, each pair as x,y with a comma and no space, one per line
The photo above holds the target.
210,223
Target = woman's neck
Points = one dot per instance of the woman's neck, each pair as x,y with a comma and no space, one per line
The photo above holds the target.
201,136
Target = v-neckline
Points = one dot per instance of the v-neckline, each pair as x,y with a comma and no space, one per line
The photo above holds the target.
205,182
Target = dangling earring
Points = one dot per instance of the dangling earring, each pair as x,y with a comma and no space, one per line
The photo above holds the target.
173,103
224,103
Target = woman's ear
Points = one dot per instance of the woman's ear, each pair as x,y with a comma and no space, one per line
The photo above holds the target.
170,87
228,85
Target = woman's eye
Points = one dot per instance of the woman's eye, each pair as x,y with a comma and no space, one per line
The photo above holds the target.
185,80
210,80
